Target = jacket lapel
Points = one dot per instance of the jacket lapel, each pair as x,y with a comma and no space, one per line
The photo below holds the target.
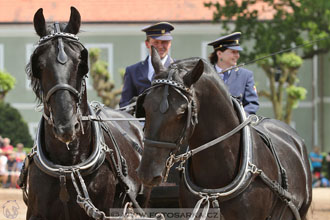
144,68
233,75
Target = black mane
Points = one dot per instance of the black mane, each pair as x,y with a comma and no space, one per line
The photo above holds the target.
34,81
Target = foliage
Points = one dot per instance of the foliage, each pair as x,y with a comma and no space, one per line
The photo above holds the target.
104,86
290,60
296,93
13,126
7,82
292,23
283,82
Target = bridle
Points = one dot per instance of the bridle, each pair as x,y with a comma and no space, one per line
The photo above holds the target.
192,120
188,95
62,58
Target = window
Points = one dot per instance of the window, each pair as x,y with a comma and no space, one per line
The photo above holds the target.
2,61
204,49
107,51
144,51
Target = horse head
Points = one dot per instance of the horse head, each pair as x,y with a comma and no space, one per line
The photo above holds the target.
57,70
171,113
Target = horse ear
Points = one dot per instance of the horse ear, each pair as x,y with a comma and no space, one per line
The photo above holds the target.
40,23
156,62
74,22
192,76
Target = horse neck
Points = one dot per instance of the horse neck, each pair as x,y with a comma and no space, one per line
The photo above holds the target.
216,118
79,149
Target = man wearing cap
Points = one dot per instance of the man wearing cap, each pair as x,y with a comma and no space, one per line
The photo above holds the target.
239,81
138,76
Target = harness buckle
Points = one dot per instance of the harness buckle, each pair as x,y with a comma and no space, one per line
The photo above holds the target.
105,148
33,151
169,163
253,168
254,119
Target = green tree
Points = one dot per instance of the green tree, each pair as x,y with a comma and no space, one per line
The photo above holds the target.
289,63
7,82
102,83
293,23
13,126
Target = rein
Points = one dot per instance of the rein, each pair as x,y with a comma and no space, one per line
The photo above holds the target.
246,174
273,54
75,173
252,119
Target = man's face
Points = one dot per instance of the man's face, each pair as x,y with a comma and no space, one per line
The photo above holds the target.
229,57
162,46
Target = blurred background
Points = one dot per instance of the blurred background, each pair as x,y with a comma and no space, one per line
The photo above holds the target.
111,30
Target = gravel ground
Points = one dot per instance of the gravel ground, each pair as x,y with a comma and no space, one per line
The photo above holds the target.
13,207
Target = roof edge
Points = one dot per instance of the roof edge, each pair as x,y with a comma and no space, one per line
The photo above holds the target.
121,22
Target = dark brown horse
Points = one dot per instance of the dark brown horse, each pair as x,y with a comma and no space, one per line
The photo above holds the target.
243,168
79,168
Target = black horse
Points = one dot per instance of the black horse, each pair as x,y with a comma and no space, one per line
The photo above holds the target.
244,168
79,167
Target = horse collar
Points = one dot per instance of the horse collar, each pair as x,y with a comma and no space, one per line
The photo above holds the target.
245,174
93,162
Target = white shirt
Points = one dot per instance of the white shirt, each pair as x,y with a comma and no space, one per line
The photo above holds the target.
151,70
219,70
3,163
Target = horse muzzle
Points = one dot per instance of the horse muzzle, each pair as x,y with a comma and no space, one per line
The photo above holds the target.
68,132
148,179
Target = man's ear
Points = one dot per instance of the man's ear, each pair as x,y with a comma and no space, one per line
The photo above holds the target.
147,44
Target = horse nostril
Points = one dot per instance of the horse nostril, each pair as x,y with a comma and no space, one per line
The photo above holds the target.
77,126
156,180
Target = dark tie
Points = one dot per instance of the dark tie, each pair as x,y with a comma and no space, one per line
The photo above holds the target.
225,76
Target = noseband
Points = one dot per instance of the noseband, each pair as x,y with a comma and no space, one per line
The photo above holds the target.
187,94
62,58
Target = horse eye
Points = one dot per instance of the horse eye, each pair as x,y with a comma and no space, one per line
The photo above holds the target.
83,68
37,68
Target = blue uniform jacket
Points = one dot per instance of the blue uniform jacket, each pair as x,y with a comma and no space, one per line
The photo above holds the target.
241,84
136,80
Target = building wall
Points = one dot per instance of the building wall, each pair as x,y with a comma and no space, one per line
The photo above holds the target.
123,45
